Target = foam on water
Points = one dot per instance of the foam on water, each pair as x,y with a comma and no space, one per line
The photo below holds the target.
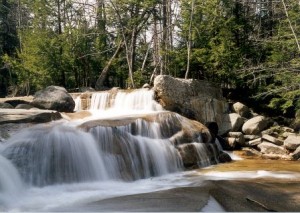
51,198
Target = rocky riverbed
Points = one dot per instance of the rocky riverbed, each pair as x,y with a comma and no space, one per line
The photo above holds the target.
251,185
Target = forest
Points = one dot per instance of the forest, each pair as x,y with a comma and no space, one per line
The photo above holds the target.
248,46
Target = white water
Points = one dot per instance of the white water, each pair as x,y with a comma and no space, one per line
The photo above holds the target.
11,186
57,165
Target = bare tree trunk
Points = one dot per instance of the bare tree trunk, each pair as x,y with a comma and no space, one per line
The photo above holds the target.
105,70
290,24
164,36
189,42
155,44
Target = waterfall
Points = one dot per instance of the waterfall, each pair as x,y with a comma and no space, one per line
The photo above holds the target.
203,158
55,153
11,185
128,137
137,154
100,101
124,101
77,101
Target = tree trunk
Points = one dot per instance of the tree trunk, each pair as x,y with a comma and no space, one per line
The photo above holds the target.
164,37
290,24
189,42
104,73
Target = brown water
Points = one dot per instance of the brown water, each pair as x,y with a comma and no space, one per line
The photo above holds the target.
254,164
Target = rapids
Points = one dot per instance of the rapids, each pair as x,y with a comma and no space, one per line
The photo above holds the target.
126,138
127,146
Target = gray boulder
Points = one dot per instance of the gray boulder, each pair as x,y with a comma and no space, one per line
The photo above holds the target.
195,99
255,125
292,142
272,139
196,155
270,148
241,109
233,122
238,136
54,98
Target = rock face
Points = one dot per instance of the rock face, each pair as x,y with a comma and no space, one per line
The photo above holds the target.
195,99
54,98
255,125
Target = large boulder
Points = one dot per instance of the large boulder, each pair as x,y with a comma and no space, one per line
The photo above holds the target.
54,98
196,155
292,142
195,99
233,122
241,109
255,125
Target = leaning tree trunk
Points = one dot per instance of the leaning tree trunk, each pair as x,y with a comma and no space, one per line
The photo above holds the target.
104,73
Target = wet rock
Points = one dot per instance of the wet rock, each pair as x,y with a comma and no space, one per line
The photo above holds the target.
271,139
54,98
189,155
23,106
255,125
26,116
15,101
270,148
296,154
195,155
6,106
9,129
224,157
292,142
241,109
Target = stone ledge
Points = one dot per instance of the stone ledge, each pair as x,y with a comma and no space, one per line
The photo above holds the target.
26,116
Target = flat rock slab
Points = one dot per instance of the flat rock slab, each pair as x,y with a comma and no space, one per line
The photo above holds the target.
185,199
26,116
258,195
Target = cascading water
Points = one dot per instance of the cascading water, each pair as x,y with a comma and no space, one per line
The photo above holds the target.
128,137
11,185
55,153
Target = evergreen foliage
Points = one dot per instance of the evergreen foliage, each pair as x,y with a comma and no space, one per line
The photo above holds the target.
253,45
